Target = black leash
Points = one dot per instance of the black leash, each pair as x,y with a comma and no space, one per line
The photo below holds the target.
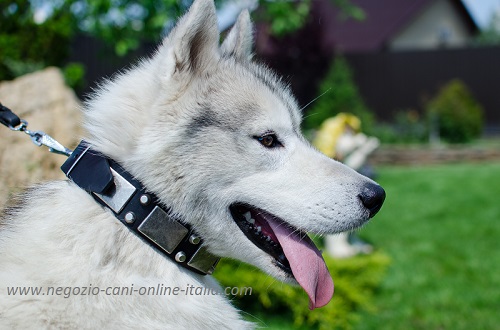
116,189
8,118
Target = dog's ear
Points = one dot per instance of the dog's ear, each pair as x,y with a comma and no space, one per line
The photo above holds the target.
239,41
194,41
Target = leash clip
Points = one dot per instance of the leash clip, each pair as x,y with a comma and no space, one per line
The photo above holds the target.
39,138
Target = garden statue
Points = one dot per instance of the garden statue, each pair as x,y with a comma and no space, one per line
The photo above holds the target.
340,137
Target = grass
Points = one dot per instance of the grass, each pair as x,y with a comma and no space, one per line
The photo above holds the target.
441,227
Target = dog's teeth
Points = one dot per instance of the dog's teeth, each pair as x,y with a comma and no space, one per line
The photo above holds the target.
259,228
268,238
247,216
251,220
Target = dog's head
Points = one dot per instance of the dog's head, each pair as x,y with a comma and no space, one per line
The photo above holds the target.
217,138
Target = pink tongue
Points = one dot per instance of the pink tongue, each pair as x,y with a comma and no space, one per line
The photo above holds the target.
308,266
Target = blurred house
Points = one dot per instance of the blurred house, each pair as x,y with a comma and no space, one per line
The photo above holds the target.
401,53
398,25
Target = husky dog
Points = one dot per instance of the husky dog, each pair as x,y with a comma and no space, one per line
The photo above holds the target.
216,137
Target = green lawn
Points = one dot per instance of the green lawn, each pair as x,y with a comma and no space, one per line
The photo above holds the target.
441,227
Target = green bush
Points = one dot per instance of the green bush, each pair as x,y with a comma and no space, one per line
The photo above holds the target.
356,280
454,113
339,93
74,74
408,127
386,133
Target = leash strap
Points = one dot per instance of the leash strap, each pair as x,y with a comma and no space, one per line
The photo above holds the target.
139,210
8,118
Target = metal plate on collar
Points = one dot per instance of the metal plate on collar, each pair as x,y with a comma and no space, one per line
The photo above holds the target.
166,232
119,194
204,261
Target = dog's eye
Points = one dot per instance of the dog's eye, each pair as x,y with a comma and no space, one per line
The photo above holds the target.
269,140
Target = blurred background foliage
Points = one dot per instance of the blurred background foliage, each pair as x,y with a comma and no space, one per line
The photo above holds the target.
27,45
454,114
338,93
490,36
356,281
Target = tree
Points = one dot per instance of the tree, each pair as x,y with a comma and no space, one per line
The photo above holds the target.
491,34
126,23
339,93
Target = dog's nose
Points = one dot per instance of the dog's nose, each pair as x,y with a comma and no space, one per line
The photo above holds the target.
372,197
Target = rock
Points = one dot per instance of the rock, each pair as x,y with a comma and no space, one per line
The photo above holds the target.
47,104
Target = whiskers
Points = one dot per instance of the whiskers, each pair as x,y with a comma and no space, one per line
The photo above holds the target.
314,100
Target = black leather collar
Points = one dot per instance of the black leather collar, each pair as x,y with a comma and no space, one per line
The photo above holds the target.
139,210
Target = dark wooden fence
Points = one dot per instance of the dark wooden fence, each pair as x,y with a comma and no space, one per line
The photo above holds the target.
388,81
392,81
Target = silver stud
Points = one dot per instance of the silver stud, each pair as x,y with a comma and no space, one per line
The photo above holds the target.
194,239
145,200
180,256
129,217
